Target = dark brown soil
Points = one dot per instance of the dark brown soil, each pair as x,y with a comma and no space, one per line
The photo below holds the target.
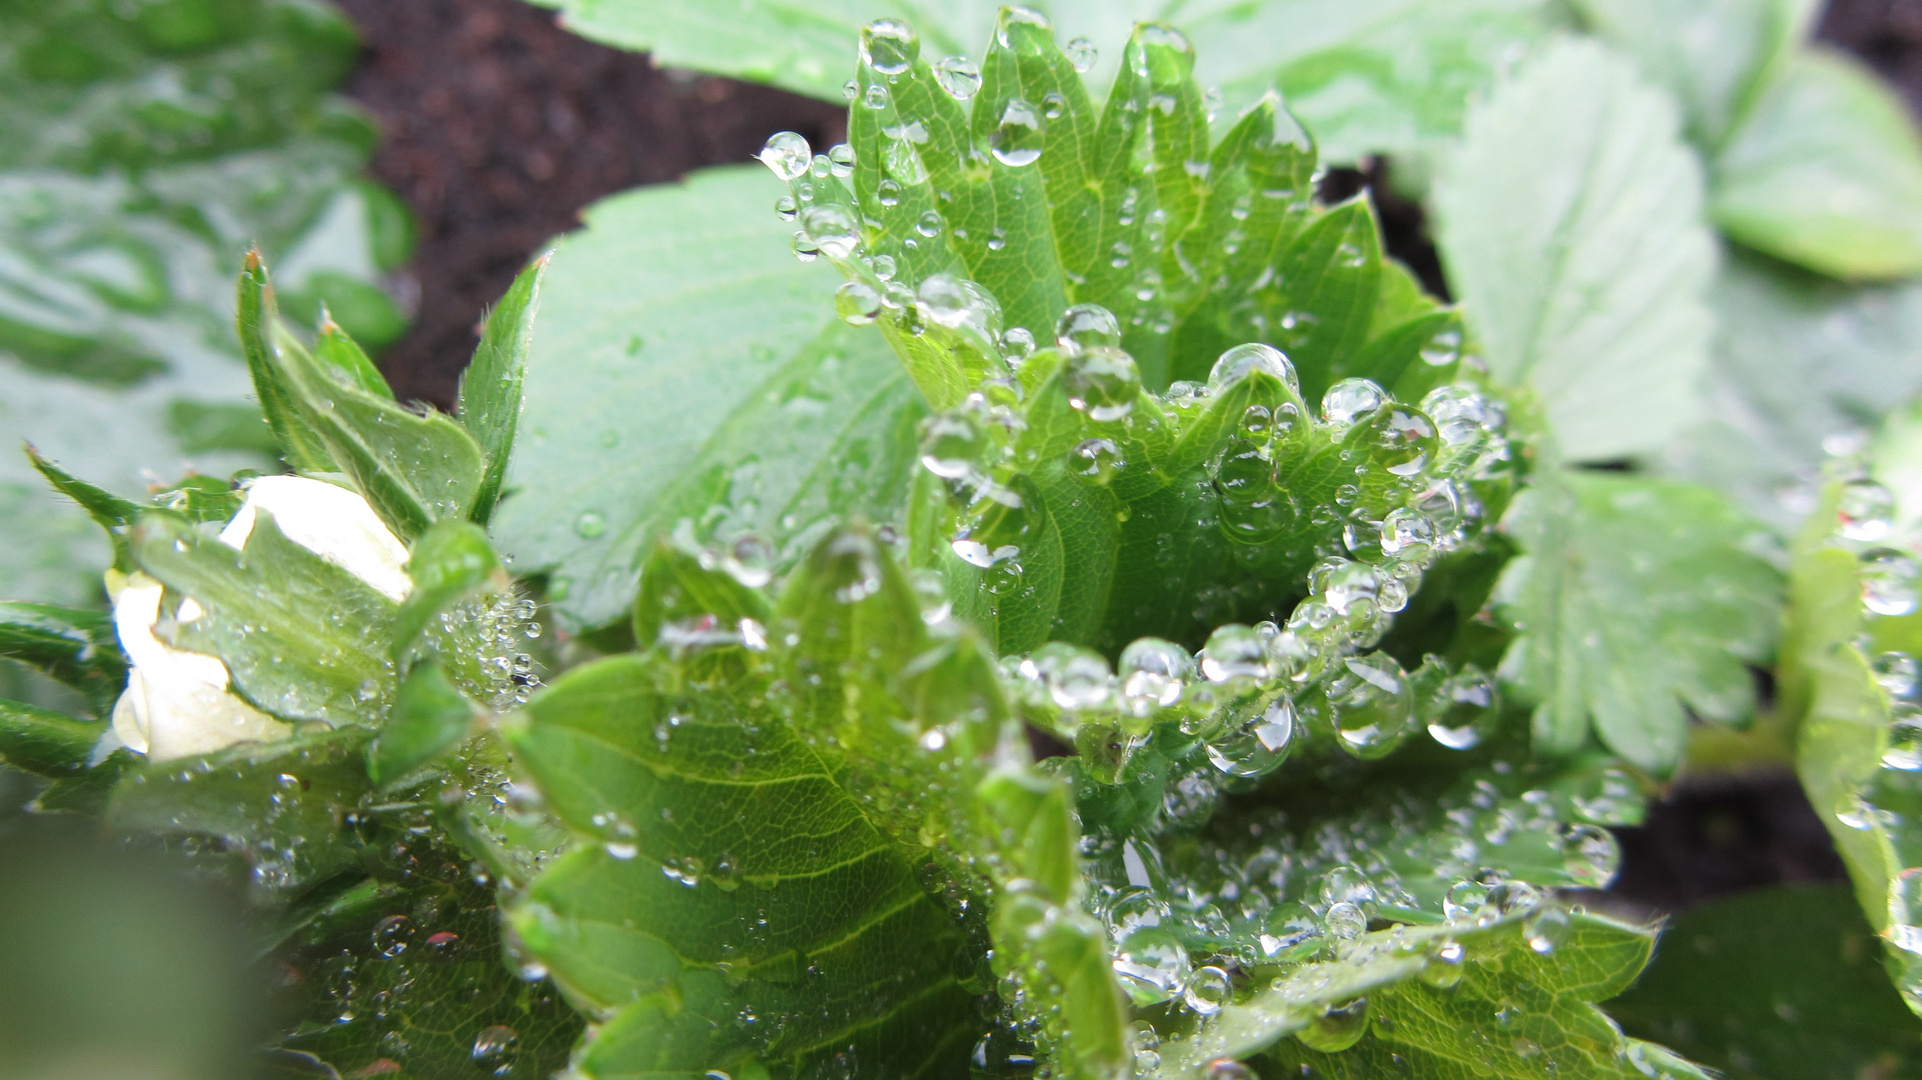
500,127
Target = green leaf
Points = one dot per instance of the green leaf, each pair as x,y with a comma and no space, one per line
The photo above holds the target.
1571,229
716,378
1389,76
313,782
1798,358
430,719
334,348
1716,56
491,387
451,561
733,872
77,647
255,319
109,511
1826,172
1635,602
45,743
1511,1015
1774,983
303,638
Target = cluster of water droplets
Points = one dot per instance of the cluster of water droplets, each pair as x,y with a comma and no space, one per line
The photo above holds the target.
483,643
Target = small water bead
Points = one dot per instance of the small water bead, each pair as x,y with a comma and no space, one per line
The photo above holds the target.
1464,900
1904,749
591,525
1370,704
497,1049
1408,535
930,223
1081,53
1888,582
1345,921
1897,673
822,167
1152,964
788,154
1018,139
841,160
943,299
1338,1029
1242,473
1461,414
1102,381
959,76
1404,439
1905,910
1464,709
1511,897
1347,585
1153,674
889,46
1443,971
786,208
1095,460
876,97
857,302
1590,855
1866,511
392,935
1207,991
1350,401
1085,326
1077,679
850,90
832,229
1235,654
1444,348
1235,364
1135,908
1546,928
1260,744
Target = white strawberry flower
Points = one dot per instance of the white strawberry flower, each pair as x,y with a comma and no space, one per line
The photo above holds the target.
180,703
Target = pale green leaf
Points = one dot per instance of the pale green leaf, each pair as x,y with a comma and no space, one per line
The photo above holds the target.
1571,229
1635,602
492,386
682,360
1826,172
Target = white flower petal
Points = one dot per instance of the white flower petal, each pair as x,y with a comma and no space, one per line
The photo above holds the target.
333,523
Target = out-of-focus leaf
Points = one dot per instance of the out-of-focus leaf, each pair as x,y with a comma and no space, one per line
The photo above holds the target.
45,743
1798,359
1826,172
727,860
136,166
1571,227
1775,984
1635,602
303,638
75,646
716,382
1715,56
491,387
306,786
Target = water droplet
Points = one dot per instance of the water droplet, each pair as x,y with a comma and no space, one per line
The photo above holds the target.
1590,855
889,46
944,300
1904,750
959,76
850,90
1017,140
1463,709
1095,460
1444,348
1866,511
1443,971
749,559
497,1049
1081,53
1905,910
1101,381
1233,365
1408,535
785,208
1207,991
788,154
1350,401
929,224
1370,705
841,160
1229,1069
1888,582
951,446
1346,585
1546,928
1259,745
1153,674
591,525
832,230
1464,900
1235,654
1341,1027
1085,326
857,302
876,97
392,935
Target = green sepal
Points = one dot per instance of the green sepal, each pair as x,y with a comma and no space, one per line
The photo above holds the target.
429,719
255,318
44,742
333,347
109,511
75,646
491,387
450,561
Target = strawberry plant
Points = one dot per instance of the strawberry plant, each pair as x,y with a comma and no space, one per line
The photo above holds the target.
1030,590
